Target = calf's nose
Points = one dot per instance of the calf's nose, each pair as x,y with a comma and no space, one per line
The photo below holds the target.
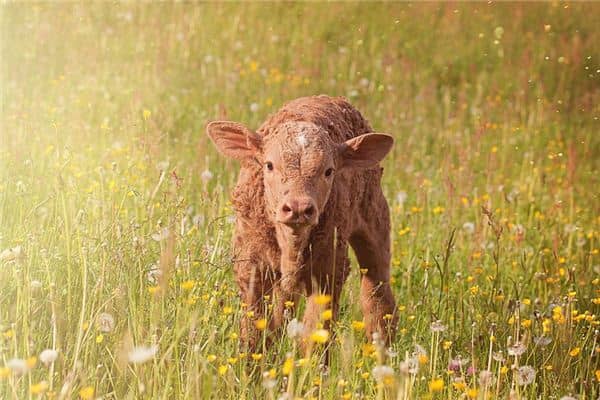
298,211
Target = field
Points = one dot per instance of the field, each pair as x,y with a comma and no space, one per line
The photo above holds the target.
115,220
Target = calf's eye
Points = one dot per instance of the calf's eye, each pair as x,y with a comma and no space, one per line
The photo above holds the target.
269,165
329,171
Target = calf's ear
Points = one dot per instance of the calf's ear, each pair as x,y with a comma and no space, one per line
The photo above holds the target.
364,151
233,139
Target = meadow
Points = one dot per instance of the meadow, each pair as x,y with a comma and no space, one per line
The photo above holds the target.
115,221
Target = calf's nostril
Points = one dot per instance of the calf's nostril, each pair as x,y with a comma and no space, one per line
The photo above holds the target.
286,209
309,211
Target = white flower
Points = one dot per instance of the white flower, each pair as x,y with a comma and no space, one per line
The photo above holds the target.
16,253
542,341
486,378
525,375
162,165
295,329
410,366
161,235
106,322
153,274
381,372
438,326
401,197
206,175
254,107
141,354
17,366
35,284
48,356
469,227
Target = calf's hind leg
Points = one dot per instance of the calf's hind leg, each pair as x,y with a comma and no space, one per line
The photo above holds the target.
371,244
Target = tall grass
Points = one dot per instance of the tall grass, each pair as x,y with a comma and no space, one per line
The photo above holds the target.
115,223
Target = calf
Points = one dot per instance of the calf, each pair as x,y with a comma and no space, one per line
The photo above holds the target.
309,185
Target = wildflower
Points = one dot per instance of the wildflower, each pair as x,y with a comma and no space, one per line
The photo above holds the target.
358,325
575,352
401,197
485,378
17,366
383,374
4,372
48,356
516,349
141,354
447,344
436,385
257,356
105,322
469,227
288,366
161,235
320,336
35,284
323,299
459,384
254,107
188,285
438,326
327,314
410,366
146,114
211,358
472,393
260,324
525,375
289,304
39,388
86,393
12,254
206,176
295,329
222,370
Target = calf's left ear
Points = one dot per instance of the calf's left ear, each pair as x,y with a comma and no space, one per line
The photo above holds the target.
234,139
364,151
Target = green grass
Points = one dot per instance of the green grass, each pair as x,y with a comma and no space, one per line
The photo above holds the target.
493,106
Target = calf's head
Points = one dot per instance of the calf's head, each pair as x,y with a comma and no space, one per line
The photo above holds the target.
299,164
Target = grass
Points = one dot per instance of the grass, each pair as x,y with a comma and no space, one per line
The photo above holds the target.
492,185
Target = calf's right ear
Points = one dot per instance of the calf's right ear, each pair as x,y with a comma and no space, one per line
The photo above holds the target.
234,139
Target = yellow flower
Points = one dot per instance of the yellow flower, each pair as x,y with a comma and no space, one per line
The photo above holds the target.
31,361
322,299
320,336
526,323
447,344
289,304
358,325
436,385
368,349
288,366
597,373
256,356
4,372
474,290
423,359
146,114
472,393
211,358
39,388
575,352
99,338
327,314
223,369
504,369
188,285
227,310
153,289
260,324
459,385
86,393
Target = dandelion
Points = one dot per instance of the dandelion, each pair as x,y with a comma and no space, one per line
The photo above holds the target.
161,235
222,370
438,326
486,378
105,322
211,358
410,366
358,325
517,349
288,366
322,299
261,324
295,329
257,356
18,366
188,285
436,385
575,352
383,374
327,315
525,375
39,388
86,393
12,254
401,197
268,380
320,336
146,114
48,356
254,107
469,227
206,176
141,354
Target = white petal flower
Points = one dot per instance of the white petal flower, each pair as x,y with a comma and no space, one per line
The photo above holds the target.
438,326
161,235
13,254
516,349
141,354
48,356
469,227
206,175
401,197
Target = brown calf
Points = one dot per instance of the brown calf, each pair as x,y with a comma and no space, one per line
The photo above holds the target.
309,185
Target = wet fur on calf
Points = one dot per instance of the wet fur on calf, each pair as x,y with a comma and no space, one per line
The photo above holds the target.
309,186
